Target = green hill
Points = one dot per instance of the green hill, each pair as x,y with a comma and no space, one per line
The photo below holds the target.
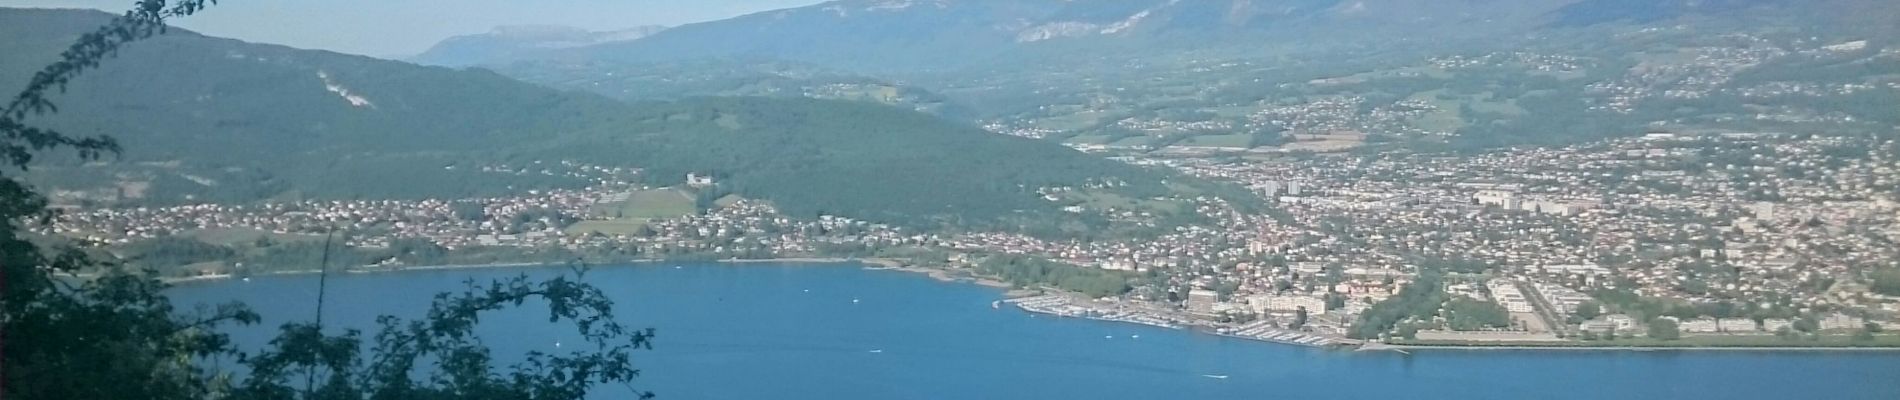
727,77
214,119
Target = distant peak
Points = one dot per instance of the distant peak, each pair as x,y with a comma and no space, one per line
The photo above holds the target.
536,30
511,42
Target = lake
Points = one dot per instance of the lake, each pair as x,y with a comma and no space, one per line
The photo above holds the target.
842,332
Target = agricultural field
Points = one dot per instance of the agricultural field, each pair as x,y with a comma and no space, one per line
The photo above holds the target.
1407,72
1445,117
1134,141
1098,200
630,215
623,227
1230,141
1073,121
649,204
1089,139
245,236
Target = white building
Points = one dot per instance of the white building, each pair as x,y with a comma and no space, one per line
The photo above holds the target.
1838,321
1736,325
1506,294
1598,325
1563,298
1699,325
697,180
1584,269
1118,265
1775,325
1498,197
1202,301
1308,268
1622,322
1267,304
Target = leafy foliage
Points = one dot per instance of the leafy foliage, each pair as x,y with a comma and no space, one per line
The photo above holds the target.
462,366
1887,282
815,157
1466,314
1028,271
1589,310
1664,329
117,336
171,251
1421,299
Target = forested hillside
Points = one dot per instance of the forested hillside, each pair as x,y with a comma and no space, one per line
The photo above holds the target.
222,120
820,156
727,77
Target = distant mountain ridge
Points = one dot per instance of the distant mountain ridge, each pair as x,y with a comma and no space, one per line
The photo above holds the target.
913,35
516,42
904,34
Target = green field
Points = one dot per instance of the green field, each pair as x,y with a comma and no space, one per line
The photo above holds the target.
235,236
1488,103
1073,121
1089,139
1449,118
650,204
1234,111
1135,141
1098,200
614,227
627,217
727,200
729,121
1566,76
1417,71
1444,119
1236,141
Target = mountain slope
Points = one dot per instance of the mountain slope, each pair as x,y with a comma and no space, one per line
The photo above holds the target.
822,156
724,77
511,43
907,36
867,33
215,119
889,35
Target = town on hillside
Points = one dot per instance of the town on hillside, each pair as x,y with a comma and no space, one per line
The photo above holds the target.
1691,239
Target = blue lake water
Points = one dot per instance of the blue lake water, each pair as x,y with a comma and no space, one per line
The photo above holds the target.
786,331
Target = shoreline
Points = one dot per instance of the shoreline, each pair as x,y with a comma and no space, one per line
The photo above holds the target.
788,261
1010,293
1412,348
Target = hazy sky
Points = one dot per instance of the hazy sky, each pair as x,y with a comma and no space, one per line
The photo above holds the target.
406,27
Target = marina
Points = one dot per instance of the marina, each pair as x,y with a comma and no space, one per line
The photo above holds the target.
1266,331
1060,305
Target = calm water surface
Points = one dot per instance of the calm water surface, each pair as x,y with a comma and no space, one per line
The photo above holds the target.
786,331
